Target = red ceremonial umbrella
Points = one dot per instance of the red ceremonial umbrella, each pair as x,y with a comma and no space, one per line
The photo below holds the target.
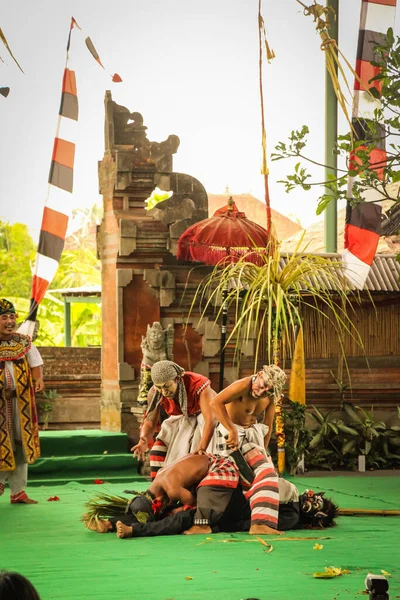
224,237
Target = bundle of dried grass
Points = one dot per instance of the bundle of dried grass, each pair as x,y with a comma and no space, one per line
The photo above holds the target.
103,506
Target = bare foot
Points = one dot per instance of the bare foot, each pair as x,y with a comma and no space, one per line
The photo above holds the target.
124,531
264,530
198,529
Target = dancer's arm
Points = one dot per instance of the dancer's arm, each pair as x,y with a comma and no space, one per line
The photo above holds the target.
37,376
146,433
172,525
269,414
210,423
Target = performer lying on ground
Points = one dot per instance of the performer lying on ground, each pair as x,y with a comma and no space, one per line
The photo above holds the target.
221,506
178,482
185,397
239,407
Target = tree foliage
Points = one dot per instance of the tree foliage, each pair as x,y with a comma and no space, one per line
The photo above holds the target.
17,253
386,123
79,266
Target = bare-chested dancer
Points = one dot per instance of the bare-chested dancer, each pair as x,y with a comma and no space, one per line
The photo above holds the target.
239,408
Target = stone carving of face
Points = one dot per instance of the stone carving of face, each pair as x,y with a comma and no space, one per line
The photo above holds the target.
156,338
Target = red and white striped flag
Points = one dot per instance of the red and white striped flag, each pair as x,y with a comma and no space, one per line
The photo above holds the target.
363,221
58,205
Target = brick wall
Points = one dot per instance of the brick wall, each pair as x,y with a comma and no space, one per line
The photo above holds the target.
75,374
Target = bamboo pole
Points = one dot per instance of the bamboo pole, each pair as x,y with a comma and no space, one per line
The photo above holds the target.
356,512
279,421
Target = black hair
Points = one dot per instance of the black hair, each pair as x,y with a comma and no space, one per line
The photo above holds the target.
14,586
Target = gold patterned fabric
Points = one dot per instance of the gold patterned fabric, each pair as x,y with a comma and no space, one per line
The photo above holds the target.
26,413
15,348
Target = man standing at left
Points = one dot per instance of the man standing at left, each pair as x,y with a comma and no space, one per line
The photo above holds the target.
21,376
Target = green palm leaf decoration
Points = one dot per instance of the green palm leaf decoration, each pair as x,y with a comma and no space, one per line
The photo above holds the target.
268,298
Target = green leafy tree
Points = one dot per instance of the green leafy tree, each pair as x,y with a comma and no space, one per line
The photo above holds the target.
17,254
79,266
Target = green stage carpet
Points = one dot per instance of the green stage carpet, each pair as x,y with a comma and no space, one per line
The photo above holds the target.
48,544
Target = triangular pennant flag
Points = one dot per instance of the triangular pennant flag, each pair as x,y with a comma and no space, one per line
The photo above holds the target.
58,205
93,51
75,24
3,39
90,46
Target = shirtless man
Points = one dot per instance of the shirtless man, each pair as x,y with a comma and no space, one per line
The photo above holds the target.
245,401
238,408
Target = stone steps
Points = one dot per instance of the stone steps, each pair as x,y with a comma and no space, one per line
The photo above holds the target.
83,455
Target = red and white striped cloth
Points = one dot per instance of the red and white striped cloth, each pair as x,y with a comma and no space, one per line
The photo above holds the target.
263,494
363,221
58,205
222,472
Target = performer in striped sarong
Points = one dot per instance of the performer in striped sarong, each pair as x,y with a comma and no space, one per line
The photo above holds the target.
185,397
239,407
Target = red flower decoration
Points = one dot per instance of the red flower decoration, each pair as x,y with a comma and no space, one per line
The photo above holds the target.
156,506
99,481
53,499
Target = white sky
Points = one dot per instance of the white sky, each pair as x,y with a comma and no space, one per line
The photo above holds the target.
190,67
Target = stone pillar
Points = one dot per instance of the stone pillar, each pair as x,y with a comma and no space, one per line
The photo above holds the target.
137,252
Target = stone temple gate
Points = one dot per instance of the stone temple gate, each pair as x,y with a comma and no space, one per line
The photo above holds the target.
142,281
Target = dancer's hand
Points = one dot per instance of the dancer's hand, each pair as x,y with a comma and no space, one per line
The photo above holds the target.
140,448
38,385
232,440
200,451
